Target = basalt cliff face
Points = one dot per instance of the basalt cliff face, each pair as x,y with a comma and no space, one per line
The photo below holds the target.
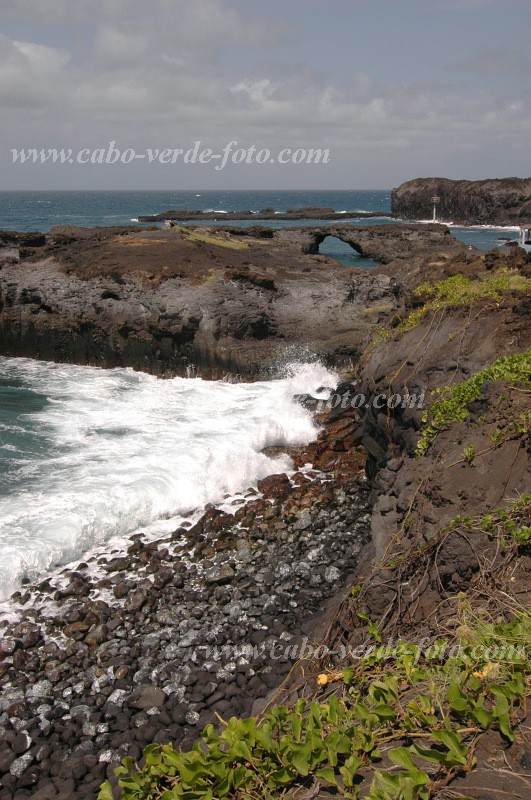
505,201
217,301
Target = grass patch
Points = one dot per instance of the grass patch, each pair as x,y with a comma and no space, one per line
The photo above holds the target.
218,240
453,405
460,291
402,722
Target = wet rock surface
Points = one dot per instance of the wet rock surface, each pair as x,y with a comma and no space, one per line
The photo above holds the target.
151,644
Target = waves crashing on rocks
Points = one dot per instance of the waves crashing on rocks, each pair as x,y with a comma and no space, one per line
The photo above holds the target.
88,456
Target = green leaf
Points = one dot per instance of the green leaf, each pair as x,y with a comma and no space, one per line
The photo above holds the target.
106,792
453,743
296,726
240,777
384,711
429,755
265,740
282,776
387,783
504,724
301,760
348,675
402,757
327,774
188,774
482,716
349,770
456,699
242,750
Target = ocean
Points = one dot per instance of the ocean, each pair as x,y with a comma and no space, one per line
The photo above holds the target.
27,211
88,456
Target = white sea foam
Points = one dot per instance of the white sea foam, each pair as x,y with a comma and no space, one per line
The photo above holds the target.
483,227
120,450
461,227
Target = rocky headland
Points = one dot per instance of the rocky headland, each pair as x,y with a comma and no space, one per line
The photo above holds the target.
196,215
216,301
380,526
503,201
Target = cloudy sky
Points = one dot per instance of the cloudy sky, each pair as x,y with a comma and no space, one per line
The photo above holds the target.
395,89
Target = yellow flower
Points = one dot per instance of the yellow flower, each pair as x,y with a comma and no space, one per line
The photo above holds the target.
485,671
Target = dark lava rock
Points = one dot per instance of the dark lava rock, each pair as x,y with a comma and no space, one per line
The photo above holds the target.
274,486
27,633
219,574
21,743
148,697
174,302
504,201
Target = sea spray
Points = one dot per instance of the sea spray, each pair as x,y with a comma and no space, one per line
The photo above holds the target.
87,455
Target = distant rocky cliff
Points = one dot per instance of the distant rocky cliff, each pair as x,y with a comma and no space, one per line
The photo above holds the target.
505,201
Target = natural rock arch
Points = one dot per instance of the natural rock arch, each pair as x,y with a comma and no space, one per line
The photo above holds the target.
310,239
382,243
322,237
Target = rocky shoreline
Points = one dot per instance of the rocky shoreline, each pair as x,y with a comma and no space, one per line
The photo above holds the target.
269,214
111,656
154,642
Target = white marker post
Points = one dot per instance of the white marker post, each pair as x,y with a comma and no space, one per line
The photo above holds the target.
435,200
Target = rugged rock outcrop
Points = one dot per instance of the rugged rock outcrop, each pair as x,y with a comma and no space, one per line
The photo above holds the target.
504,201
139,646
216,300
179,215
383,243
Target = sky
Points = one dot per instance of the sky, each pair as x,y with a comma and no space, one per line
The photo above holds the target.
393,89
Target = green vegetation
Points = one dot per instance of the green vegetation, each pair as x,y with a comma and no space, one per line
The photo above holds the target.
219,240
453,405
519,427
460,291
469,454
507,525
402,722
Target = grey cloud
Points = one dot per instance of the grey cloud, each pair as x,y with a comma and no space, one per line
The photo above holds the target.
29,73
194,21
499,62
166,83
298,105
